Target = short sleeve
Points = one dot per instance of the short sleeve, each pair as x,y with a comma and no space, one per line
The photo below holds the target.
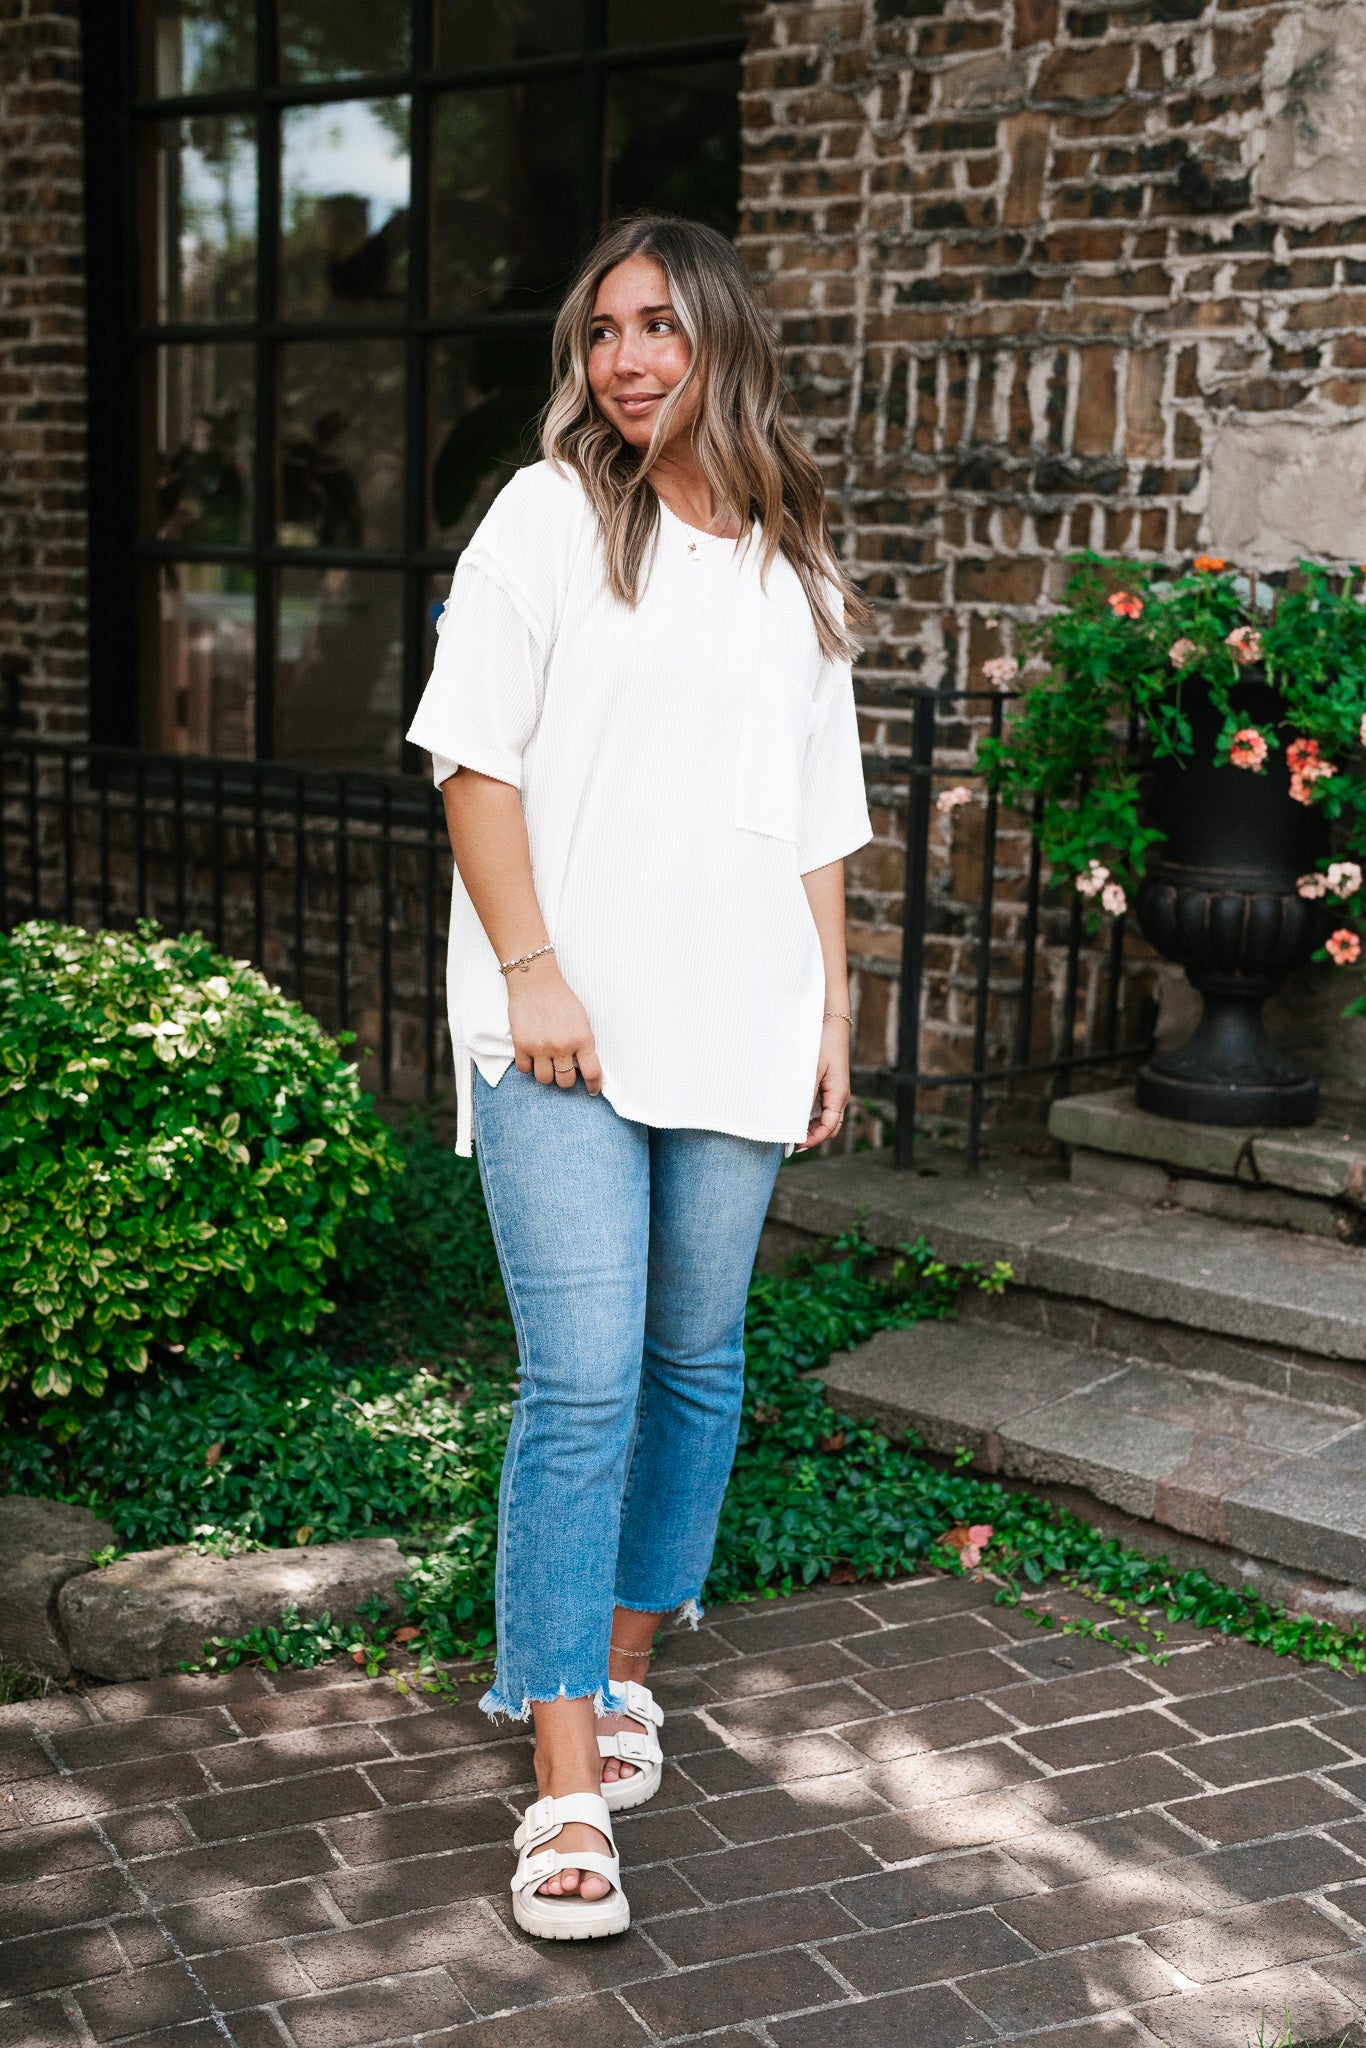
483,699
498,627
834,809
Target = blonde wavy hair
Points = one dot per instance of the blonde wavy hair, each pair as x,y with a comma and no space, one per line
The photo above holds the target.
754,461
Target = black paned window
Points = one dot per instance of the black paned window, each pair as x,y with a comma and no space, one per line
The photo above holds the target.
351,227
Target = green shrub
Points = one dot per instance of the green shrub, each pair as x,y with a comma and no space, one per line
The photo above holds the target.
185,1156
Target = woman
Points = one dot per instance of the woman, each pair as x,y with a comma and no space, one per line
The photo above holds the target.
641,721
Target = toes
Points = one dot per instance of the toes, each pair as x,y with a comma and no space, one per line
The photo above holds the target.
611,1771
594,1887
570,1880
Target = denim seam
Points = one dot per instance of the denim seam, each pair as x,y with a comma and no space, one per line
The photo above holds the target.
515,1433
495,1703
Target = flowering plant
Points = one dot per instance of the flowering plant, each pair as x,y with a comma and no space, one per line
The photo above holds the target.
1120,655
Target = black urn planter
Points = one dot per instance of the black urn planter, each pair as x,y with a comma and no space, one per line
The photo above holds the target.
1219,897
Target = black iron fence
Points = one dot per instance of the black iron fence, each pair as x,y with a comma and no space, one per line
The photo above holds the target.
337,887
1030,986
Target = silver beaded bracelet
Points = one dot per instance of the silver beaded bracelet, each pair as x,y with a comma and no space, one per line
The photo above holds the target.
523,961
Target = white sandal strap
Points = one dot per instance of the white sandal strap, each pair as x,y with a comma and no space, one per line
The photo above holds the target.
632,1748
636,1701
542,1821
534,1870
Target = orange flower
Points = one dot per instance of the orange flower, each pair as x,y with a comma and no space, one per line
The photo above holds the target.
1344,948
1126,605
1247,749
1306,765
969,1543
1211,564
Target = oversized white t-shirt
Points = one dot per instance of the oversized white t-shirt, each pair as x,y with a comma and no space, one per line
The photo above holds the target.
681,766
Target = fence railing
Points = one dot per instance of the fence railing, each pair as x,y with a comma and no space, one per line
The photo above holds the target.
337,887
1010,937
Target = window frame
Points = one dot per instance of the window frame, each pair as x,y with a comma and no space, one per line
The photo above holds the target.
118,123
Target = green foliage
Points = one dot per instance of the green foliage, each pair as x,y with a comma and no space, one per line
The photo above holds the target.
185,1157
16,1683
387,1432
1123,650
398,1428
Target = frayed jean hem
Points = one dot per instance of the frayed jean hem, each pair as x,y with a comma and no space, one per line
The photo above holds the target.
500,1705
686,1611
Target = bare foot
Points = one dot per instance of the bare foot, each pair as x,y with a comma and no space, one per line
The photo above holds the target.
612,1767
567,1762
633,1633
587,1884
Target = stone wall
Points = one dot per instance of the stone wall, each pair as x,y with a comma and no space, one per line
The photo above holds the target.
1048,278
42,370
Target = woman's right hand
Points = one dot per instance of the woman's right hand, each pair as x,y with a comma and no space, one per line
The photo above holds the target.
551,1035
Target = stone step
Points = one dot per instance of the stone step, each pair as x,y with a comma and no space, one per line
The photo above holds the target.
1310,1180
1137,1280
1264,1474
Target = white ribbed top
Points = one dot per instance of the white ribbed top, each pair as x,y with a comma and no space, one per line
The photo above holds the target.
681,766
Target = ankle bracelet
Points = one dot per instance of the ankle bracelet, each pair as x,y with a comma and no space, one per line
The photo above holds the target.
617,1650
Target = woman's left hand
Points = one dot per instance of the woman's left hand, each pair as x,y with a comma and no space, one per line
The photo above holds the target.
832,1084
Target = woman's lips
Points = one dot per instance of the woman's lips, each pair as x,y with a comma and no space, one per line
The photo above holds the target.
639,402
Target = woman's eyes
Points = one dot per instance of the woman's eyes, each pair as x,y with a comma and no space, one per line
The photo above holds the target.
597,334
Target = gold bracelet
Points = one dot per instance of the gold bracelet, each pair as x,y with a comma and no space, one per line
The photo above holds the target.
843,1016
619,1652
523,961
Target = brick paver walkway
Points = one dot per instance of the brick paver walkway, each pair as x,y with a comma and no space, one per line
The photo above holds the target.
893,1818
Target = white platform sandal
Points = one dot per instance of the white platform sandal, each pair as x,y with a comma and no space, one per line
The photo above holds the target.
567,1918
630,1746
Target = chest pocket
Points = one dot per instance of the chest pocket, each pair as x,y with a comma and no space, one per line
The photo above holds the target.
773,738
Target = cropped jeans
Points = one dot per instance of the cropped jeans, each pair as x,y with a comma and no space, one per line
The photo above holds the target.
626,1253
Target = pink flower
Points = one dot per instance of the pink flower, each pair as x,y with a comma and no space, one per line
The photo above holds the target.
1113,900
1344,877
1181,652
949,799
969,1543
1344,948
1361,729
1094,880
1126,604
1312,887
1306,764
1002,669
1246,643
1248,750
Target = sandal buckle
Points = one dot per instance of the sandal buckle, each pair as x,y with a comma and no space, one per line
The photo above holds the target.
640,1703
536,1869
634,1748
540,1820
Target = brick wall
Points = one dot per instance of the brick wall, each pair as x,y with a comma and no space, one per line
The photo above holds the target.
1046,277
42,370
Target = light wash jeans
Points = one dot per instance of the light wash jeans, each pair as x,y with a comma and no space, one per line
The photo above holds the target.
626,1253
